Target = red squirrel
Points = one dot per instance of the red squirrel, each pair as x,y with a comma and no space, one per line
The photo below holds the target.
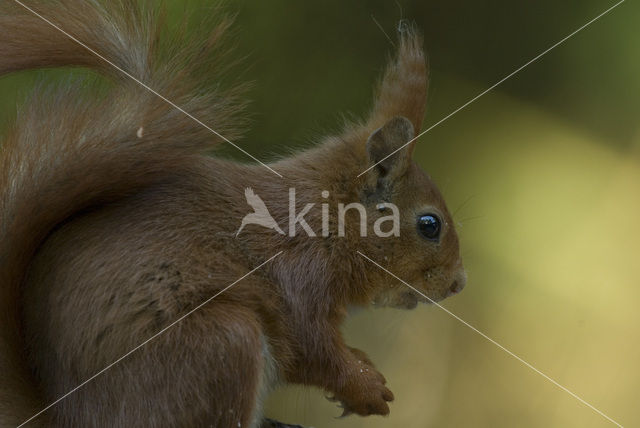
115,221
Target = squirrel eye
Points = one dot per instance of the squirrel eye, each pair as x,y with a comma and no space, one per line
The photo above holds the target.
429,226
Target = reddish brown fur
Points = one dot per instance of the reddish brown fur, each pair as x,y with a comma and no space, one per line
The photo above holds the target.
108,235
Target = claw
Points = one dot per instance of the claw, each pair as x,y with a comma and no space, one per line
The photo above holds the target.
331,398
346,412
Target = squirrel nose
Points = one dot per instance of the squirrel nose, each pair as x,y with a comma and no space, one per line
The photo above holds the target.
455,288
458,283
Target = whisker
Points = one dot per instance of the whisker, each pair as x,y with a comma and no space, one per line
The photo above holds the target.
401,11
470,218
466,201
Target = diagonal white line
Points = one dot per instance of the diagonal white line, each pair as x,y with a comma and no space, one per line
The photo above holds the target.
495,85
150,339
493,341
172,104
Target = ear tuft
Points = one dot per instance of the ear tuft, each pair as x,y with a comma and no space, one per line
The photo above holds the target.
392,137
403,89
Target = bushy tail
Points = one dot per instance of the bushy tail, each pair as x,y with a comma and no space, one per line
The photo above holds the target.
70,149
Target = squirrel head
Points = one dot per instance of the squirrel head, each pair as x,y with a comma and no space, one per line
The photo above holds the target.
368,172
424,249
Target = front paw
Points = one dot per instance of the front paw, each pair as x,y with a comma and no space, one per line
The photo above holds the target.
365,392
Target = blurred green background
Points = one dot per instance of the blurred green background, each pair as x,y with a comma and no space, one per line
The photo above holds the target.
543,173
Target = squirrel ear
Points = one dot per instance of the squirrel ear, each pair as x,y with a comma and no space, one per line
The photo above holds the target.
389,139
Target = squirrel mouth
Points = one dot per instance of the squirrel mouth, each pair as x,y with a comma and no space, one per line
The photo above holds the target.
410,300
